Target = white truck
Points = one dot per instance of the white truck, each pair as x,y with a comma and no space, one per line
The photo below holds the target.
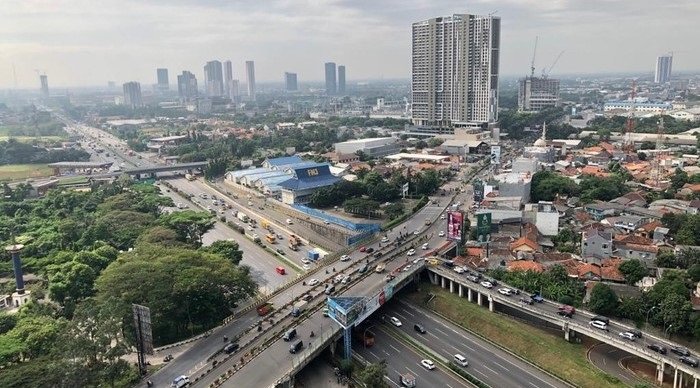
242,216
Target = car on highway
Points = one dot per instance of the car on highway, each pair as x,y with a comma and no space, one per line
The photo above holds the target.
419,328
306,267
537,298
473,278
460,360
363,248
280,251
338,278
407,268
599,325
346,279
627,335
230,348
416,231
369,250
424,246
681,351
313,282
441,233
505,291
567,311
411,252
657,348
385,239
458,269
690,361
487,284
427,364
344,258
395,321
389,277
180,381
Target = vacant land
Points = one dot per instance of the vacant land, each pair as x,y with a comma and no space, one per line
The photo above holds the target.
23,171
547,350
31,139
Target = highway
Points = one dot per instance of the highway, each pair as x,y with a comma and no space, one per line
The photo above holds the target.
488,363
607,358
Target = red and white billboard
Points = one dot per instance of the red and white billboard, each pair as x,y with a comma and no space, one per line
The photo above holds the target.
454,225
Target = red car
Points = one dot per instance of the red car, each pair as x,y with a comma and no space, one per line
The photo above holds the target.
362,249
280,270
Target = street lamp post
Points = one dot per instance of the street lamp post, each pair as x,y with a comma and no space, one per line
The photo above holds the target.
666,331
648,312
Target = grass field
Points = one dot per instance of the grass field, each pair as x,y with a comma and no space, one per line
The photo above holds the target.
23,171
29,139
548,351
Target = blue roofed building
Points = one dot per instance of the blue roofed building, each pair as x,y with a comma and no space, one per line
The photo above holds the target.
305,181
280,163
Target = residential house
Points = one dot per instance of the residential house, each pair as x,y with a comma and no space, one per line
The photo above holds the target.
633,198
627,223
636,247
524,265
596,244
599,210
524,244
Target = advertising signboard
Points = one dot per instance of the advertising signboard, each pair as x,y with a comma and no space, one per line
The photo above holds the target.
495,154
454,226
483,226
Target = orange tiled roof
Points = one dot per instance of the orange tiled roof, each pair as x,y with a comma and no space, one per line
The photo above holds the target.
651,226
594,170
525,265
524,241
475,252
694,187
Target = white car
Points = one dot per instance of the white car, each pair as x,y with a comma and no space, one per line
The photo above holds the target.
406,268
344,258
313,282
599,325
425,246
627,335
180,381
385,239
505,291
416,231
458,269
443,217
427,364
346,279
411,252
487,284
338,278
304,260
395,321
441,234
306,267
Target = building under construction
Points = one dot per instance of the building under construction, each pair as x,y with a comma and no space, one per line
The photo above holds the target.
537,93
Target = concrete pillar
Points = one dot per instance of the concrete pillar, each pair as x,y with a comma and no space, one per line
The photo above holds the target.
491,304
452,286
460,290
478,298
469,295
675,377
660,373
333,346
567,335
442,282
680,379
695,384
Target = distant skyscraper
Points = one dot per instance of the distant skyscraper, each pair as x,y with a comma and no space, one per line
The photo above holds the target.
250,79
228,77
235,91
331,85
163,83
290,82
132,94
455,71
663,69
341,79
535,94
213,79
44,85
186,86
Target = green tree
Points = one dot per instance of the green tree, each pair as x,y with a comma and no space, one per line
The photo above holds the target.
633,271
694,272
675,313
603,299
394,210
546,185
226,249
72,280
372,375
189,225
678,179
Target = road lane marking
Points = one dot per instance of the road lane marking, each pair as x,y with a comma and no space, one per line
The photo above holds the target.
492,371
500,365
407,312
392,381
392,346
372,353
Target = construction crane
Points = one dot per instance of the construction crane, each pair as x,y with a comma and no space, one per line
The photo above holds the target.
532,63
545,74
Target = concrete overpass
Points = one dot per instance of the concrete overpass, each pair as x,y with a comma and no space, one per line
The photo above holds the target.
570,327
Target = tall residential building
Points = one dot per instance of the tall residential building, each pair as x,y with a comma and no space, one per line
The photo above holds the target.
331,85
132,94
235,93
290,82
250,79
341,79
663,69
163,83
213,79
44,85
186,86
536,94
228,77
455,71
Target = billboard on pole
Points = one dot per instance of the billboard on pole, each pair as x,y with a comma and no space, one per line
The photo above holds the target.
495,154
483,227
454,225
142,322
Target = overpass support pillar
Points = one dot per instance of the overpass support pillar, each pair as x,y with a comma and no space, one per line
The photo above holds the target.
442,282
675,377
478,298
452,286
469,295
333,346
491,303
567,335
460,290
695,384
680,379
347,343
660,373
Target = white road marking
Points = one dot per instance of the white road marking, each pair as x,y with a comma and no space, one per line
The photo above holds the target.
408,312
492,371
397,350
500,365
372,353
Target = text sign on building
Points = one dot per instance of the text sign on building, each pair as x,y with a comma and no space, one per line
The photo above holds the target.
454,225
142,323
483,226
495,154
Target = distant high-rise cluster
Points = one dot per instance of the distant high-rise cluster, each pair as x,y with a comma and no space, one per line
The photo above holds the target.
250,79
455,71
335,82
663,69
44,85
186,86
214,79
290,82
132,94
163,84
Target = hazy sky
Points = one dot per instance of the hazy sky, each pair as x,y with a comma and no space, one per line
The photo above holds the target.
88,42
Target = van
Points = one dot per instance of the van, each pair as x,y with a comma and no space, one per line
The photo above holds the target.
460,360
289,335
295,347
601,319
280,270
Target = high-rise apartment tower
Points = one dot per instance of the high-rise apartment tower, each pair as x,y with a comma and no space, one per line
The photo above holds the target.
290,82
213,79
663,69
228,78
331,84
132,94
186,86
44,85
455,71
341,79
162,75
250,78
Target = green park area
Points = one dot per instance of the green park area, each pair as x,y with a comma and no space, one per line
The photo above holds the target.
543,348
11,172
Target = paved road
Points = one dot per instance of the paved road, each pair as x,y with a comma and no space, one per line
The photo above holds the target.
488,363
607,358
402,359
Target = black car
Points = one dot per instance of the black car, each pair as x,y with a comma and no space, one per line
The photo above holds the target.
280,251
657,348
690,361
307,297
230,348
377,254
419,328
369,250
681,351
